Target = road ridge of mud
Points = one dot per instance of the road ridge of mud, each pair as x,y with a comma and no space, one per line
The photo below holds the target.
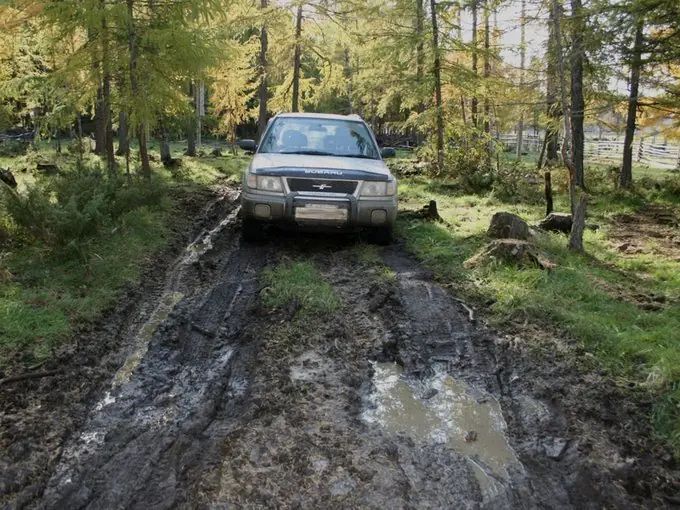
584,442
231,404
39,415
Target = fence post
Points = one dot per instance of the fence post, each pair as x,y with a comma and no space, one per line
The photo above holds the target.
641,149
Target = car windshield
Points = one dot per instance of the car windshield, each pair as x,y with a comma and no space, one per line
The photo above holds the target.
319,136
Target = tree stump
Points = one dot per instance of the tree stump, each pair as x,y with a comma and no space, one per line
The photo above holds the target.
556,222
505,225
48,168
428,212
7,177
509,251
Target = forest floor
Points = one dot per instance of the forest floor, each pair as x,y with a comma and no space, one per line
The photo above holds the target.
324,372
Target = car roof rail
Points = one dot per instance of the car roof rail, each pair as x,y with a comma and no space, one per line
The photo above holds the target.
354,116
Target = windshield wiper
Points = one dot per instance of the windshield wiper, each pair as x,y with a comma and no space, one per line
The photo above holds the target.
309,153
361,156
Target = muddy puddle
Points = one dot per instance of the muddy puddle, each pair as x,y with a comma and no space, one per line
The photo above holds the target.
443,410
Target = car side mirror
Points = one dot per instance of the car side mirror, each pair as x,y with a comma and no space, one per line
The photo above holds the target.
247,145
388,152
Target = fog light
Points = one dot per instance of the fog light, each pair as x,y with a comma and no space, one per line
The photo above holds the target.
378,216
262,211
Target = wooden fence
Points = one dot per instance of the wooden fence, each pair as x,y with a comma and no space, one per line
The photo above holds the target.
645,151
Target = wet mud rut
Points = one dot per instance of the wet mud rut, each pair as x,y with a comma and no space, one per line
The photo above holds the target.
396,401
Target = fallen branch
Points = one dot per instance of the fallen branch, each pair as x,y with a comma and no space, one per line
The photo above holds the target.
470,311
29,375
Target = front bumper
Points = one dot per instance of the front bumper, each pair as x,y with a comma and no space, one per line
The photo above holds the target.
281,208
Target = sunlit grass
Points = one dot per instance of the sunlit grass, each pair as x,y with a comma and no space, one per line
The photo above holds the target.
46,293
299,282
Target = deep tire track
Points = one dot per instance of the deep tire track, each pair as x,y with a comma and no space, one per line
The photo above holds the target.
140,439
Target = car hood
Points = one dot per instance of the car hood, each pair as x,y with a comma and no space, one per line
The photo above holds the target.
295,164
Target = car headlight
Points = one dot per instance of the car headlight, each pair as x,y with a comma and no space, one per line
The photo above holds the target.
264,182
378,189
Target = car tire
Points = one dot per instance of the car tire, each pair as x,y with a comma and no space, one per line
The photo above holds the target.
252,231
382,236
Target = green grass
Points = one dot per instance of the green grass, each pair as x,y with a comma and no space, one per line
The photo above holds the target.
300,282
589,297
47,291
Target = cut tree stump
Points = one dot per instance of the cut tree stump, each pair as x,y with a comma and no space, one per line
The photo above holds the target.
510,251
48,168
172,163
556,222
505,225
428,212
7,177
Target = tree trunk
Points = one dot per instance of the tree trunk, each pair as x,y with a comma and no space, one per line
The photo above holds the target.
123,141
420,48
199,89
191,124
474,102
144,152
134,88
296,61
487,75
106,94
99,123
436,69
553,109
262,87
566,157
626,174
577,101
548,193
578,224
166,157
420,53
522,63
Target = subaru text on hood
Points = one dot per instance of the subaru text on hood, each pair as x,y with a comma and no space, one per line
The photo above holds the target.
318,171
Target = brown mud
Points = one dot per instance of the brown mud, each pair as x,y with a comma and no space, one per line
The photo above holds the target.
654,229
196,395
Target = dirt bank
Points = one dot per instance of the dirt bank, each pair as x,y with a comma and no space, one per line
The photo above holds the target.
397,400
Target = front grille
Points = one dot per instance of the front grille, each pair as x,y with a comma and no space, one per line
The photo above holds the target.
322,185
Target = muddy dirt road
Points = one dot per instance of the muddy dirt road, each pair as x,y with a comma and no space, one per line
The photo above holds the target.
203,397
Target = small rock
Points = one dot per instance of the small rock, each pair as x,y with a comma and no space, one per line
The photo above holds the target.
555,447
429,394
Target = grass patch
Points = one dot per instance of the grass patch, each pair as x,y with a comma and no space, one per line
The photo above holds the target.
93,240
594,298
369,255
298,282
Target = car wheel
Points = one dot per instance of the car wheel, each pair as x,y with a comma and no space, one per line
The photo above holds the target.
252,231
382,236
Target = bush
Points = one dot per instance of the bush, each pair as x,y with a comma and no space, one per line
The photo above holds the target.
516,182
72,208
465,159
672,185
13,147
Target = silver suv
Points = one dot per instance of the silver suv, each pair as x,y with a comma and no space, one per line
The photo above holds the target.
318,171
